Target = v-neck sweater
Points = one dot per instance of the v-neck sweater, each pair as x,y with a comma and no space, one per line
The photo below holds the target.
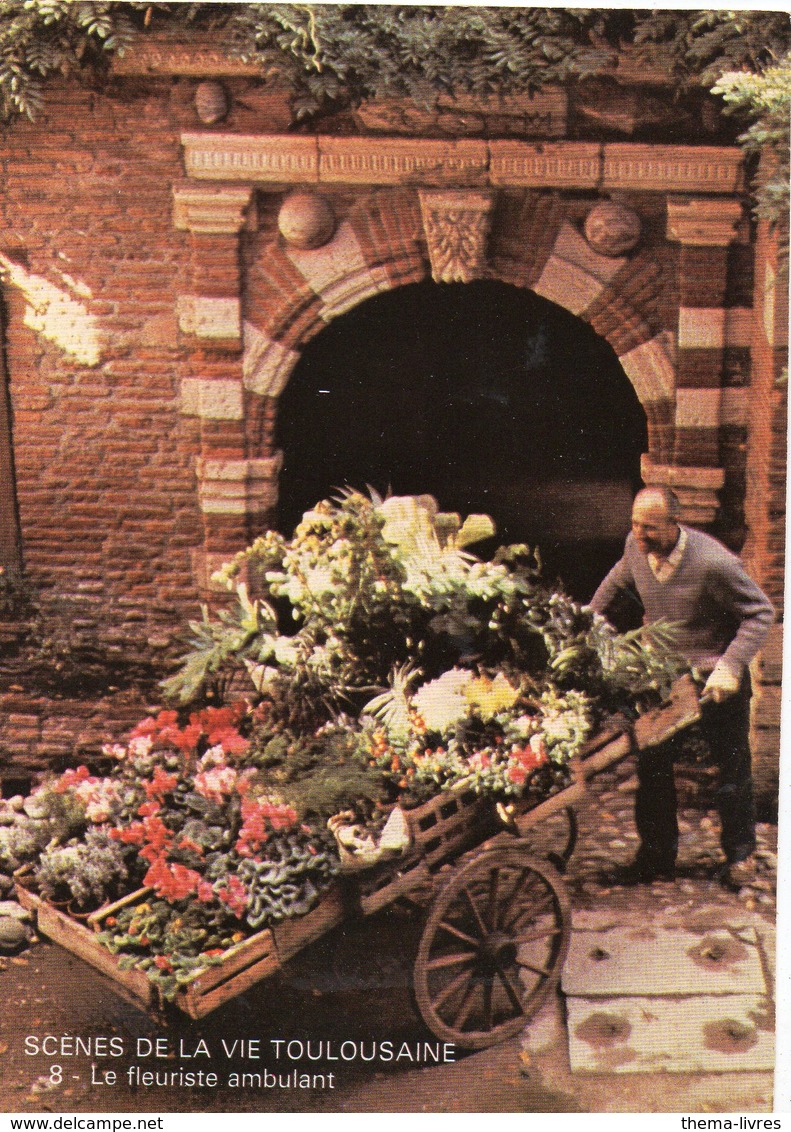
721,613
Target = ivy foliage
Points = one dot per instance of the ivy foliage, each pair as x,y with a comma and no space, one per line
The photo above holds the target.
700,46
341,54
333,56
40,39
745,58
765,97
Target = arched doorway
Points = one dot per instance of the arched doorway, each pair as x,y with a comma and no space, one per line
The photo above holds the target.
482,394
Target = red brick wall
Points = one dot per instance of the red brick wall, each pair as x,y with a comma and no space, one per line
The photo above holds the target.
104,460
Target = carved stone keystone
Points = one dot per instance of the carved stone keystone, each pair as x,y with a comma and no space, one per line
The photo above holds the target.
456,224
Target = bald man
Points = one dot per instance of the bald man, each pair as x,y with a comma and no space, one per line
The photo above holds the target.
688,577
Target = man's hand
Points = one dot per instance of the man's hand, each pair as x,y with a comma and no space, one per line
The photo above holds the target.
721,685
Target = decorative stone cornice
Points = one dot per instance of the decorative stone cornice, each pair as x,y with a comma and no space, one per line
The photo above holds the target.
555,165
396,161
287,159
211,209
672,168
162,55
279,158
456,226
696,488
703,221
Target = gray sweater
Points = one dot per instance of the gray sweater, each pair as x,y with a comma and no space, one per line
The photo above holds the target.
722,612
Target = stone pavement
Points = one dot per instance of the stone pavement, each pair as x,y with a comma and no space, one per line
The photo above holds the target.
695,905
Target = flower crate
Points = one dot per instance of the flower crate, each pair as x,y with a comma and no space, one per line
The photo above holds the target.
239,968
80,940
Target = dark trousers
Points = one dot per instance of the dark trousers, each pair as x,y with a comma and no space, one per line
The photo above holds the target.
726,728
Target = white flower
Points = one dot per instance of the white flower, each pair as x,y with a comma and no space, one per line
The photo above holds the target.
523,726
140,746
557,727
286,652
320,580
441,702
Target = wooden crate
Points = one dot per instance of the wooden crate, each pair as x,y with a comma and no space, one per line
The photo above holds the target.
239,968
80,940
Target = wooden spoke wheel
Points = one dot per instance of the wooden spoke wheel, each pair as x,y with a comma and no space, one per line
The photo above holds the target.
493,947
567,834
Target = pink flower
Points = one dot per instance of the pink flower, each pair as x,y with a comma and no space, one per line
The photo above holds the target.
72,778
216,783
205,892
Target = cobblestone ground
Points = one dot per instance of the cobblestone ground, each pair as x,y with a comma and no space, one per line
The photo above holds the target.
696,900
607,840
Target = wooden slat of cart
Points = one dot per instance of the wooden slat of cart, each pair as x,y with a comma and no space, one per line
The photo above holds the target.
292,935
239,968
82,942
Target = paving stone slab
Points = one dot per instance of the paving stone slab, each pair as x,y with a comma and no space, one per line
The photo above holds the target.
696,1034
663,961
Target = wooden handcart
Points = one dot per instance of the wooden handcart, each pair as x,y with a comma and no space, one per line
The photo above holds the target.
498,915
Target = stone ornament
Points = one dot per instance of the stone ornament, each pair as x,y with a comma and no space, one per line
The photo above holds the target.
211,102
612,229
306,220
456,224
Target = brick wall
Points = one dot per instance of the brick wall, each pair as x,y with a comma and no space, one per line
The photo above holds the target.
105,461
765,499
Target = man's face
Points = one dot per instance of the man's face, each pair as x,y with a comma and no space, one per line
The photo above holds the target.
653,529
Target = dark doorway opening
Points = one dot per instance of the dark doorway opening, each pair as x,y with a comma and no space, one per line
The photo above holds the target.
483,395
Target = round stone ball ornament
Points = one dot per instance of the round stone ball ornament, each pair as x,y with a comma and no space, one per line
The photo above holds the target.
211,102
612,229
306,220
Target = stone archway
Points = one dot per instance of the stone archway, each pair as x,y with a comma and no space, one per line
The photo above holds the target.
394,238
511,210
482,394
293,293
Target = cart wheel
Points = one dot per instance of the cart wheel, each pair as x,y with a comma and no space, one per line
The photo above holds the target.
493,947
560,858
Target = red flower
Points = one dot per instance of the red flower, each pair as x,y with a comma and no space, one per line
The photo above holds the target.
190,846
163,963
71,778
171,881
133,834
160,784
255,817
165,721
